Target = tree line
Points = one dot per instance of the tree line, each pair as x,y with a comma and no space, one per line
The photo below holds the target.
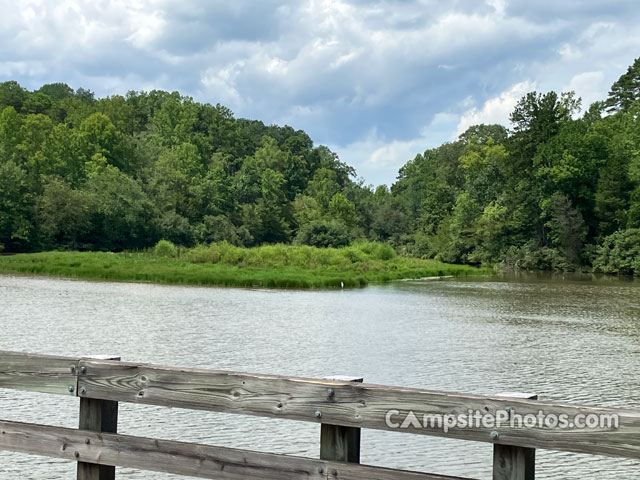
122,172
557,190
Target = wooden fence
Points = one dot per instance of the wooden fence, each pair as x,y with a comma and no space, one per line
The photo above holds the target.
342,407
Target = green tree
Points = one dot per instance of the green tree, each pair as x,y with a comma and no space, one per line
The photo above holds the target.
626,90
174,123
64,213
120,112
121,214
340,208
305,209
537,118
620,253
491,229
272,208
56,91
218,228
567,230
324,233
390,221
10,128
37,103
323,186
462,230
97,134
484,134
16,226
12,95
612,193
176,183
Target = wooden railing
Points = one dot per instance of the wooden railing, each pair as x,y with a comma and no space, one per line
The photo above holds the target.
343,406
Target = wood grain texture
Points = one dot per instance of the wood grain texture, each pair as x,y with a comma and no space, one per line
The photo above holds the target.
98,416
38,373
352,405
184,458
339,443
514,463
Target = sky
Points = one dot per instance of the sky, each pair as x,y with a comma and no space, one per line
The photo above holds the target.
377,81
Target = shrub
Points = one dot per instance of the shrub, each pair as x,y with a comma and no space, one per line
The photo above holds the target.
219,228
533,257
323,233
164,248
619,253
385,252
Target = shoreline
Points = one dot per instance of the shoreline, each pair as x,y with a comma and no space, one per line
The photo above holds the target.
128,267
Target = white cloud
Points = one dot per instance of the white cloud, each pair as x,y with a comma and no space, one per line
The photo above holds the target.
590,86
146,26
498,5
496,109
395,153
221,84
379,159
12,69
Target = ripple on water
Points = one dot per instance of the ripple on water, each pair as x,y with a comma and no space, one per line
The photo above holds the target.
567,340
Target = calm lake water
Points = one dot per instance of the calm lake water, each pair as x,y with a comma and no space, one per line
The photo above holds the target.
565,338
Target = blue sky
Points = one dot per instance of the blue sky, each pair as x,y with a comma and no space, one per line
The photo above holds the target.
376,81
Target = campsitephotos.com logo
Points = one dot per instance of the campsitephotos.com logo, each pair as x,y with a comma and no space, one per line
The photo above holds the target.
396,419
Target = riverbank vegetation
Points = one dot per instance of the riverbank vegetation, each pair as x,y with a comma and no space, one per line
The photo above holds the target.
560,189
284,266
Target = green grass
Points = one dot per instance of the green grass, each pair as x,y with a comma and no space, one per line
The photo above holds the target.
282,266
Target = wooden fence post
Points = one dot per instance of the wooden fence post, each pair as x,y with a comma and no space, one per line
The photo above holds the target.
338,443
98,416
514,463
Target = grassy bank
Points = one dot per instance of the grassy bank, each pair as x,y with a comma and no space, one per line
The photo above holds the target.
282,266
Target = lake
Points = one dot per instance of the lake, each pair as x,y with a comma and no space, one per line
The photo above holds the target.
567,338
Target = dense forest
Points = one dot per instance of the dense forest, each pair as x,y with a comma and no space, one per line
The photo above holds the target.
560,189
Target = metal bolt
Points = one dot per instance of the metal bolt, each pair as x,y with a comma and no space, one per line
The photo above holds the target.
83,370
318,414
71,389
72,368
87,441
495,435
331,392
76,454
83,390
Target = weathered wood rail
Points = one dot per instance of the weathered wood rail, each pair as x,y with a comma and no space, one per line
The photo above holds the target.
343,407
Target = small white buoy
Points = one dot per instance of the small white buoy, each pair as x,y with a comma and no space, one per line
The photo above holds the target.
342,285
